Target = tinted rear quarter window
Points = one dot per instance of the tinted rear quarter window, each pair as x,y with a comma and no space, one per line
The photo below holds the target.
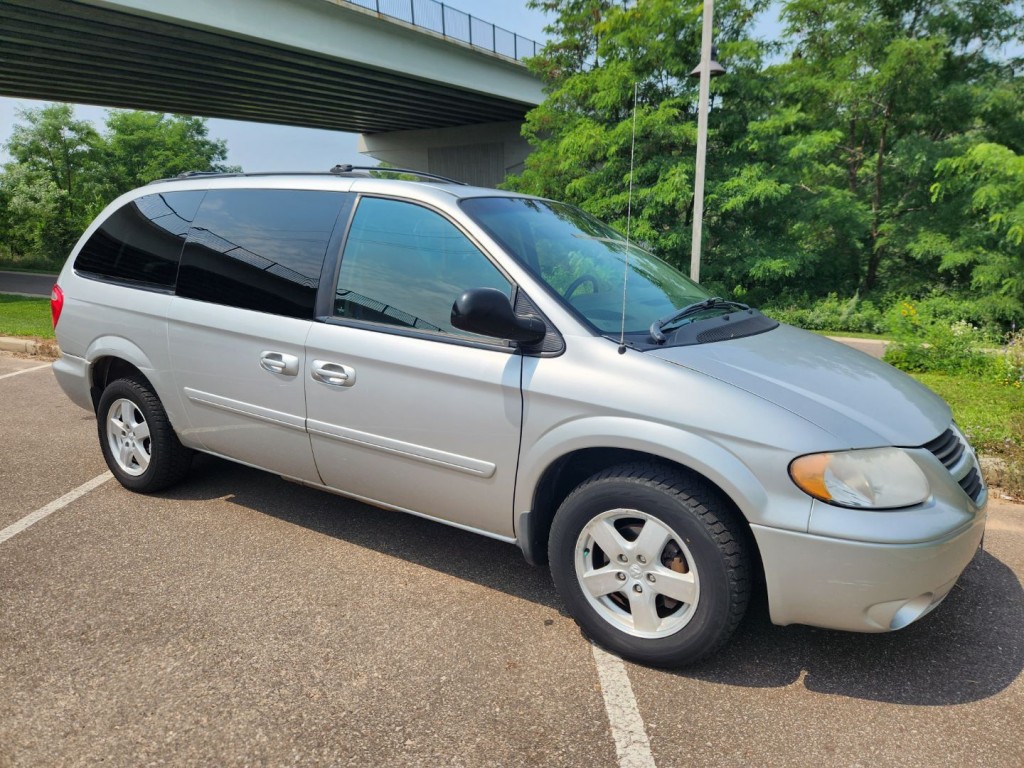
141,242
259,249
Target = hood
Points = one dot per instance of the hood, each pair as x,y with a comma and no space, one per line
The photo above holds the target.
862,401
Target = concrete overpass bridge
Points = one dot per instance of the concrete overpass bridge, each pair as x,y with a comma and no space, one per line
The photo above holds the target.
419,98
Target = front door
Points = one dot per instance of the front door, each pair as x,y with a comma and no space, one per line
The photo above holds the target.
403,409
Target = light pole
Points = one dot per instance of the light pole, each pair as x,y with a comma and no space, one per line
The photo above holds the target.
707,69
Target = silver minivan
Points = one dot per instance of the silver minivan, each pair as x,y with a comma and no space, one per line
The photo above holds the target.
511,366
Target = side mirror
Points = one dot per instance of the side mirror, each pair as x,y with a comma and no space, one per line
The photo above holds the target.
488,311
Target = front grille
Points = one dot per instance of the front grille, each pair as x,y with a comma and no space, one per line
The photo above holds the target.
972,483
949,448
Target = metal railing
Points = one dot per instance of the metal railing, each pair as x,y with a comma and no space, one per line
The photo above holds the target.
454,24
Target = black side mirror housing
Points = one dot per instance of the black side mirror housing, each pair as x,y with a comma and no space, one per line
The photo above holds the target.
489,312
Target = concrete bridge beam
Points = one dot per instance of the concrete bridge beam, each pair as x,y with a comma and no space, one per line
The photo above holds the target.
482,154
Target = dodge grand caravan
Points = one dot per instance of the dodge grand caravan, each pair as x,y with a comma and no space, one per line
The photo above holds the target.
511,366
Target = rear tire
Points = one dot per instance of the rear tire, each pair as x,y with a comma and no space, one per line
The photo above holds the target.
652,563
137,439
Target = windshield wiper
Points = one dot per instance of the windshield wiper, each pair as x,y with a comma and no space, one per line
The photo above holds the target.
690,309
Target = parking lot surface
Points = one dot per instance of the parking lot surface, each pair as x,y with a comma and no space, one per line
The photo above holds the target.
242,620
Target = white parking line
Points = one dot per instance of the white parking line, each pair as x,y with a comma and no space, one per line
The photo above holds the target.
25,370
31,519
631,743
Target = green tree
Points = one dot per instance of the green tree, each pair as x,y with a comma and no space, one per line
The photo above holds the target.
62,172
582,133
820,163
990,237
31,210
49,183
140,147
873,95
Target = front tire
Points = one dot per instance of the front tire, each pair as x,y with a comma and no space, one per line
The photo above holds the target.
652,563
137,439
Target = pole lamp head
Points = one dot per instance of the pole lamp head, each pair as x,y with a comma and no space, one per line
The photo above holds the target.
714,68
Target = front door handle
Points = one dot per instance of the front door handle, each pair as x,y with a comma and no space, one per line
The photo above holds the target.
333,374
279,362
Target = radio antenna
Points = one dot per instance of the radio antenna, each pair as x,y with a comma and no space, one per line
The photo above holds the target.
629,221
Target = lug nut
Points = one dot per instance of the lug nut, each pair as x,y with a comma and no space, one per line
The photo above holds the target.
641,558
622,558
637,588
620,576
650,577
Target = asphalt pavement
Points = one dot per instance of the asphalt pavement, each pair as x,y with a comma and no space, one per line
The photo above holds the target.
242,620
26,283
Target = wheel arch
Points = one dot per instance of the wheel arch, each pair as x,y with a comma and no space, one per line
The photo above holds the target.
110,368
555,472
114,357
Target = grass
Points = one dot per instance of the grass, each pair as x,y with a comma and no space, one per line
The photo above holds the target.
990,414
24,316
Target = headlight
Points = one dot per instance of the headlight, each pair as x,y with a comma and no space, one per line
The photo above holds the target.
876,478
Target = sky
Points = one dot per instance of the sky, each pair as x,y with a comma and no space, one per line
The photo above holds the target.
262,147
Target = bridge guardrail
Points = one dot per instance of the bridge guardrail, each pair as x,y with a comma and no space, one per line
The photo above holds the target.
454,24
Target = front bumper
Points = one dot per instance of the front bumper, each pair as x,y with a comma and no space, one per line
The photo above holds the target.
861,586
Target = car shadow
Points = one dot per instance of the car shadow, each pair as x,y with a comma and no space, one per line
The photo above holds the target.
464,555
969,648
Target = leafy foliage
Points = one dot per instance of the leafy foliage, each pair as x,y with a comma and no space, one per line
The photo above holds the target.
990,181
582,134
62,172
876,154
832,314
142,146
49,182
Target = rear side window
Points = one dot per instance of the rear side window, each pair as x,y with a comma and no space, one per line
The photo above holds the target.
259,249
141,242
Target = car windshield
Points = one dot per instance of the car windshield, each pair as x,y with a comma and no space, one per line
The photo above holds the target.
584,262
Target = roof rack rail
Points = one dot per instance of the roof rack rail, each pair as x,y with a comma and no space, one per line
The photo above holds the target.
338,170
197,174
346,168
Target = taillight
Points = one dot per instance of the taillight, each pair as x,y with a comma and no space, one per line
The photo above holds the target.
56,303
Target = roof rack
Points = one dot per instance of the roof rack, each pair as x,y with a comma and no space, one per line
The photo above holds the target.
343,169
338,170
196,175
190,174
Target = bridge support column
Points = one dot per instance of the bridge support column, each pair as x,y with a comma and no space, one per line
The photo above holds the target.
482,154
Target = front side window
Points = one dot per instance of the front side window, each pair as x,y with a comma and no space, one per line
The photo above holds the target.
260,249
405,265
140,243
585,262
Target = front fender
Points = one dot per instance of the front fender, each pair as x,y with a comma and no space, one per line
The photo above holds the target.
695,452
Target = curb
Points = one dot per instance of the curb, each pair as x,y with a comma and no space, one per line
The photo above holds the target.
14,344
23,346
